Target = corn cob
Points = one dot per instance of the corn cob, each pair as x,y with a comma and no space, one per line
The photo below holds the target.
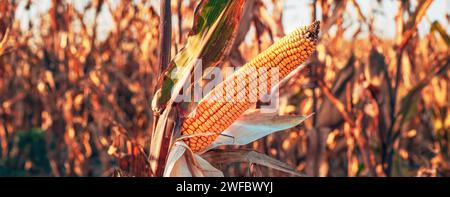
232,97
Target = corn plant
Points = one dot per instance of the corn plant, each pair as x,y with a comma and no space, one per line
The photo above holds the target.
221,107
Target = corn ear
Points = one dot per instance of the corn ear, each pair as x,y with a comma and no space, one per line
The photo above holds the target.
232,97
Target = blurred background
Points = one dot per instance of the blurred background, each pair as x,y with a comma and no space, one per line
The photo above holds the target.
77,78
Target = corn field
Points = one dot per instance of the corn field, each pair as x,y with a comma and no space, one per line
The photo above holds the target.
88,88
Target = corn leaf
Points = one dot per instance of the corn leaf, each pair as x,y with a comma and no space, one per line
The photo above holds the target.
175,154
410,100
414,21
253,126
4,41
181,169
247,156
436,26
206,168
330,115
184,163
214,21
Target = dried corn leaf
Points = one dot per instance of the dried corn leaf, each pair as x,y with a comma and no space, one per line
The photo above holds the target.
255,125
247,156
409,101
175,154
184,163
436,26
4,41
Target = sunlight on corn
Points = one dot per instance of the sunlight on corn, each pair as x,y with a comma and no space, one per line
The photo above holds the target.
225,103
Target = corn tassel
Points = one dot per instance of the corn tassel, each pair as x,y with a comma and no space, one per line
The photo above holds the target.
232,97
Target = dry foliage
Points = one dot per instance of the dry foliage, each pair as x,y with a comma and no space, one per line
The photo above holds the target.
75,101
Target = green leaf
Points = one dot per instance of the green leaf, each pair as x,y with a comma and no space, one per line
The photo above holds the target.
360,169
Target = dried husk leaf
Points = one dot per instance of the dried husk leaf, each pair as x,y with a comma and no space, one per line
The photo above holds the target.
182,162
253,126
248,156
